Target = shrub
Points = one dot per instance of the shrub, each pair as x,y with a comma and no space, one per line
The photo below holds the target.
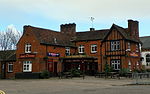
45,74
75,72
143,70
136,70
124,71
107,68
148,70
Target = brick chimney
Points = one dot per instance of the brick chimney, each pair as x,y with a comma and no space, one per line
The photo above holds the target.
69,29
26,28
133,28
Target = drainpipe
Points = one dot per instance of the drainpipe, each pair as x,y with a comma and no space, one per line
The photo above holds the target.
46,64
101,57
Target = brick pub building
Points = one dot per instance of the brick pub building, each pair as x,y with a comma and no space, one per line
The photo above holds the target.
42,49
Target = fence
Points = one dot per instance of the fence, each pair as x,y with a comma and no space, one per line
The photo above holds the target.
141,78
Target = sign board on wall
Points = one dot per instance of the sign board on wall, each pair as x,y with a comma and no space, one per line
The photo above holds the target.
53,54
27,55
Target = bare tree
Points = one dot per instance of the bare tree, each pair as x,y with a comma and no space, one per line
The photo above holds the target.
9,39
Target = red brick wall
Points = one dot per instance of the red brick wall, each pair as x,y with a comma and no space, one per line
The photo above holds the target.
28,37
9,74
87,48
38,63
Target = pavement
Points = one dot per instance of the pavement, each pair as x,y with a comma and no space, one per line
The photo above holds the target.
89,85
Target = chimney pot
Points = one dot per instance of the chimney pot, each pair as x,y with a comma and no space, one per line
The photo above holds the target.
92,29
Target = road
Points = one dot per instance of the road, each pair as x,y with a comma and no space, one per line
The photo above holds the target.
89,85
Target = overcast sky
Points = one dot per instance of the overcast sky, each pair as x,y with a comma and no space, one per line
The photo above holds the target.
51,13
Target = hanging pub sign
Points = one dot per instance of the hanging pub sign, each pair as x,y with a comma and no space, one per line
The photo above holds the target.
27,55
133,54
53,54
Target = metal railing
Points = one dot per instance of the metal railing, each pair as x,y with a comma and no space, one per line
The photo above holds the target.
141,78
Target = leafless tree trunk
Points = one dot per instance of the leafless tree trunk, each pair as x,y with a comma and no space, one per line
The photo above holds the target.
9,39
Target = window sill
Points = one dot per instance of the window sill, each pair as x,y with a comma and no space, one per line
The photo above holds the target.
27,52
10,72
93,52
27,71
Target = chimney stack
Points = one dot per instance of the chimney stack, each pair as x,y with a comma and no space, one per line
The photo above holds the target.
69,29
133,28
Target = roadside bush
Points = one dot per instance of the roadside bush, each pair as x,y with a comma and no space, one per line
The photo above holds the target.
75,72
124,71
147,70
143,70
107,69
136,70
45,74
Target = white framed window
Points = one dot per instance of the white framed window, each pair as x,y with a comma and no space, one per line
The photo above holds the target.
81,49
115,45
93,48
67,51
10,67
129,47
115,64
137,64
148,60
28,48
27,66
137,48
129,65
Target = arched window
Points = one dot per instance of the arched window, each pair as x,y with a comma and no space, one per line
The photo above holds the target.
148,60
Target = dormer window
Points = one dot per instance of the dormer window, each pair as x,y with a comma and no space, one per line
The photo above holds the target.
28,48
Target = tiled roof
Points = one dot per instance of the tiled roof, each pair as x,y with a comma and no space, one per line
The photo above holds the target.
9,55
101,34
146,42
125,33
91,35
51,37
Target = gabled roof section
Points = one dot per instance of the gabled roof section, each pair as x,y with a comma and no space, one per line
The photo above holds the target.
50,37
146,42
123,31
8,55
91,35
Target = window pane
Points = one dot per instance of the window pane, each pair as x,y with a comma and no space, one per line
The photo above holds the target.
148,58
115,64
10,67
27,66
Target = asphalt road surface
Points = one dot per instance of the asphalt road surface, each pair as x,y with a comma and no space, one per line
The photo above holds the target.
89,85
